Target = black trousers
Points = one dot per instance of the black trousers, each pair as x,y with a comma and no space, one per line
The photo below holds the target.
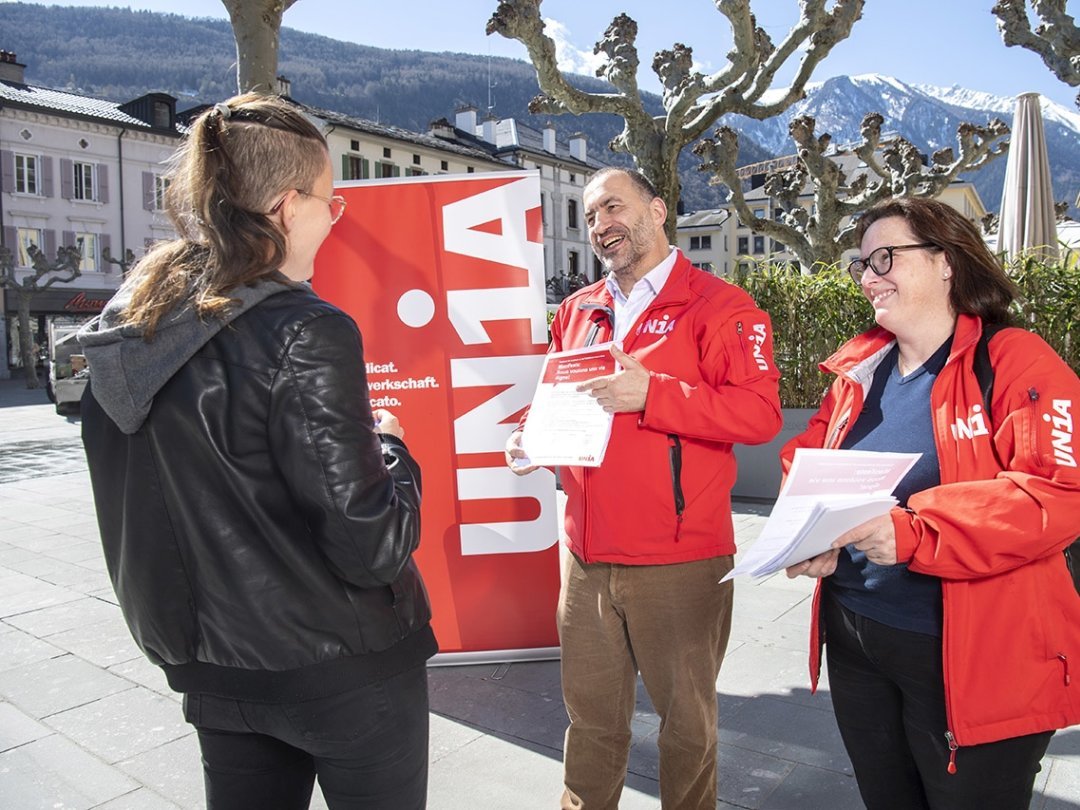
368,747
888,692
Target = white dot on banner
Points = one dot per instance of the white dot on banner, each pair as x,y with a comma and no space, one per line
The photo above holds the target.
416,308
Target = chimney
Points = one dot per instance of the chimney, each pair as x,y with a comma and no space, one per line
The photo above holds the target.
10,69
549,137
441,128
284,87
578,143
489,128
465,119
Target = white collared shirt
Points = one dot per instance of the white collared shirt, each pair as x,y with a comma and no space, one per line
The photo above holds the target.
628,308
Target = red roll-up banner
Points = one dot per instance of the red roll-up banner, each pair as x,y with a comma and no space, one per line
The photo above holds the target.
445,277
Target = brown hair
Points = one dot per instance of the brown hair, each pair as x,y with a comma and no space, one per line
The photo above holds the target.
979,283
240,156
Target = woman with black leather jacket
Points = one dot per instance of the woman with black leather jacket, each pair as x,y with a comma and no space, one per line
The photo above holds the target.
258,519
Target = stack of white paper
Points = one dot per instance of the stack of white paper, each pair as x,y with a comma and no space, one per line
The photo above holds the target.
827,492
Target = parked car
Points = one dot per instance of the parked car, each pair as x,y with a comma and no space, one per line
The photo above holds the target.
68,371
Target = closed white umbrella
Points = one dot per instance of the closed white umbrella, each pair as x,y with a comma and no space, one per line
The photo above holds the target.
1027,222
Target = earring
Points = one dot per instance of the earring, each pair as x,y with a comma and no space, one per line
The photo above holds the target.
946,276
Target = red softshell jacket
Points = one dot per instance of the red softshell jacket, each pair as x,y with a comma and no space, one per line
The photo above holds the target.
1011,636
663,492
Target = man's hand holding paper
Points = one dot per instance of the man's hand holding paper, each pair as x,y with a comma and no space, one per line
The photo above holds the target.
625,390
569,421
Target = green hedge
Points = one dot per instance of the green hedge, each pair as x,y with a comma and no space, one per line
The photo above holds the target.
813,315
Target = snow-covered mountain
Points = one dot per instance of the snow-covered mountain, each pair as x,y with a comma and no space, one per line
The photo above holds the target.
928,117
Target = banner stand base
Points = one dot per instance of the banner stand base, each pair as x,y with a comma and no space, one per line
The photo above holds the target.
457,659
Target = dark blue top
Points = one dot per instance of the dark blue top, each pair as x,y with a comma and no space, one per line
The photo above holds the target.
896,418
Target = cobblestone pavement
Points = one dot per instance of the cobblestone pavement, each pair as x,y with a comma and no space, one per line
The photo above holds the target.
36,459
87,722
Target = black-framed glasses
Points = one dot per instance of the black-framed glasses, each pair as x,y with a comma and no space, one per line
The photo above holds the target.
880,260
336,204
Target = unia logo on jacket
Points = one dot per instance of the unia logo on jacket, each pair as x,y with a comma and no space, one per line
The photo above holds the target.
1061,432
657,326
757,339
974,425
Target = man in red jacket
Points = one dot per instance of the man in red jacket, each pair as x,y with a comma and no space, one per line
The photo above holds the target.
649,531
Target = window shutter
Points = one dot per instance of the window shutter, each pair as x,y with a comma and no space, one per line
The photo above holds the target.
397,171
46,189
7,171
104,241
48,236
148,191
67,238
365,169
11,239
345,168
378,168
67,179
103,183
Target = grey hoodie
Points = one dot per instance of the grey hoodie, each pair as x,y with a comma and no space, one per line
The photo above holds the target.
127,371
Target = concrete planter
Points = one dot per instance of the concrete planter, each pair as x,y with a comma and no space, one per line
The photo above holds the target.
759,465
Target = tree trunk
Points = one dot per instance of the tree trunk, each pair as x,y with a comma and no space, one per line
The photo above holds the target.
26,344
256,26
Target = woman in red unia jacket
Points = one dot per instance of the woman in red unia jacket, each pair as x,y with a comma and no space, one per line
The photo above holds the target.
952,625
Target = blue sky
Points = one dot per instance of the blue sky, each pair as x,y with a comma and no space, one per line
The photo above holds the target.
941,42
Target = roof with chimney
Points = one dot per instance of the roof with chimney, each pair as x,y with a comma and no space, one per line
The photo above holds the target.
135,114
469,147
513,135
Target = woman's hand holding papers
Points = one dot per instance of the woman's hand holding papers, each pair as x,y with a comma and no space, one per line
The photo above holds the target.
820,566
876,538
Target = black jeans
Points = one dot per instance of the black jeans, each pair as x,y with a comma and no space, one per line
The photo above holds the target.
368,747
888,692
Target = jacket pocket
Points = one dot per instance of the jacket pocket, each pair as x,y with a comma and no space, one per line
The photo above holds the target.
675,460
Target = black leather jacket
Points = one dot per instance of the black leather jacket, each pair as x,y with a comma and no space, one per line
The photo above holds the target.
258,532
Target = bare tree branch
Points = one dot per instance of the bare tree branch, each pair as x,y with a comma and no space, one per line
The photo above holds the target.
1056,39
893,171
692,102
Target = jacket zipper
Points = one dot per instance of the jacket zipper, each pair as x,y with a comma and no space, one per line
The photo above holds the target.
590,339
953,747
675,458
1065,664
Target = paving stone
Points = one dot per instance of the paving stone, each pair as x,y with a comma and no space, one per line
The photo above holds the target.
489,774
1066,743
104,643
79,578
79,551
747,778
141,799
55,773
756,669
54,685
17,729
122,725
10,554
142,672
173,770
808,788
17,649
1062,791
496,708
787,730
763,603
448,735
47,621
